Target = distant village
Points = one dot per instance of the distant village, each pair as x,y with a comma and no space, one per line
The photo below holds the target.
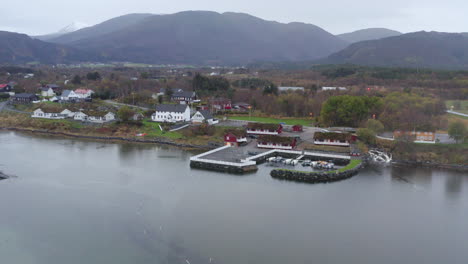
231,107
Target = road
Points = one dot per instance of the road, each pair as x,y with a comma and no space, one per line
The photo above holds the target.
457,113
120,104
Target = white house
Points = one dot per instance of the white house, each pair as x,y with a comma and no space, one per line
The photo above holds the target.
204,116
99,118
47,91
292,89
95,117
334,88
171,113
80,116
67,113
68,95
84,93
38,113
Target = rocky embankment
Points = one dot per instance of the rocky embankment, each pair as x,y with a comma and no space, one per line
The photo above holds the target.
315,177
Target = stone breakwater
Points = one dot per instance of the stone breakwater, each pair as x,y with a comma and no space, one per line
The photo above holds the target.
315,177
132,140
222,168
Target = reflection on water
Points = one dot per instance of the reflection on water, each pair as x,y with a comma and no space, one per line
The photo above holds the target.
454,185
87,202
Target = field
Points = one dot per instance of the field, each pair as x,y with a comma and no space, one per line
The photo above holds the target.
463,105
271,120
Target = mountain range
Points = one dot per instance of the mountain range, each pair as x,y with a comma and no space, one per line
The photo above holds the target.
66,30
21,49
210,38
201,37
368,34
419,49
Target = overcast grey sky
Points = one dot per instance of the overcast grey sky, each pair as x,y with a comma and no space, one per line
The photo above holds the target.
46,16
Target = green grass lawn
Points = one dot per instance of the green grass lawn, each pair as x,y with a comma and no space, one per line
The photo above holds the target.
153,130
463,105
353,164
270,120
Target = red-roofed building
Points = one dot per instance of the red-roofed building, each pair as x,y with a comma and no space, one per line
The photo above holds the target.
235,138
221,104
5,88
298,128
84,93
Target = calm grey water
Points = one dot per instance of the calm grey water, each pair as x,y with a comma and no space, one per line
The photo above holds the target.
85,202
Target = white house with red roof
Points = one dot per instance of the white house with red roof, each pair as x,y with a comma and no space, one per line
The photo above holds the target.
84,93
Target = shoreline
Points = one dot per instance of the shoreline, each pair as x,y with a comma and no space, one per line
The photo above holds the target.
452,167
459,168
107,138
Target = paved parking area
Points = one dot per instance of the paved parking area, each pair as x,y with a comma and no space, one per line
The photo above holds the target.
236,154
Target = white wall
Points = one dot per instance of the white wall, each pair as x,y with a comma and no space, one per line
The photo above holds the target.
171,117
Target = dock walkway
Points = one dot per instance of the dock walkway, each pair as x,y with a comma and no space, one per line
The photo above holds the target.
232,159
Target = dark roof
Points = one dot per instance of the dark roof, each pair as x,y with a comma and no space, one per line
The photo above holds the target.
276,139
332,136
25,95
53,86
184,94
66,93
237,132
177,108
261,126
206,114
44,89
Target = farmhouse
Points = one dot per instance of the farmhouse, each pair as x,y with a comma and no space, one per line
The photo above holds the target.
276,142
235,137
332,139
221,104
39,113
24,98
417,136
47,92
171,113
264,129
184,97
204,116
68,95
